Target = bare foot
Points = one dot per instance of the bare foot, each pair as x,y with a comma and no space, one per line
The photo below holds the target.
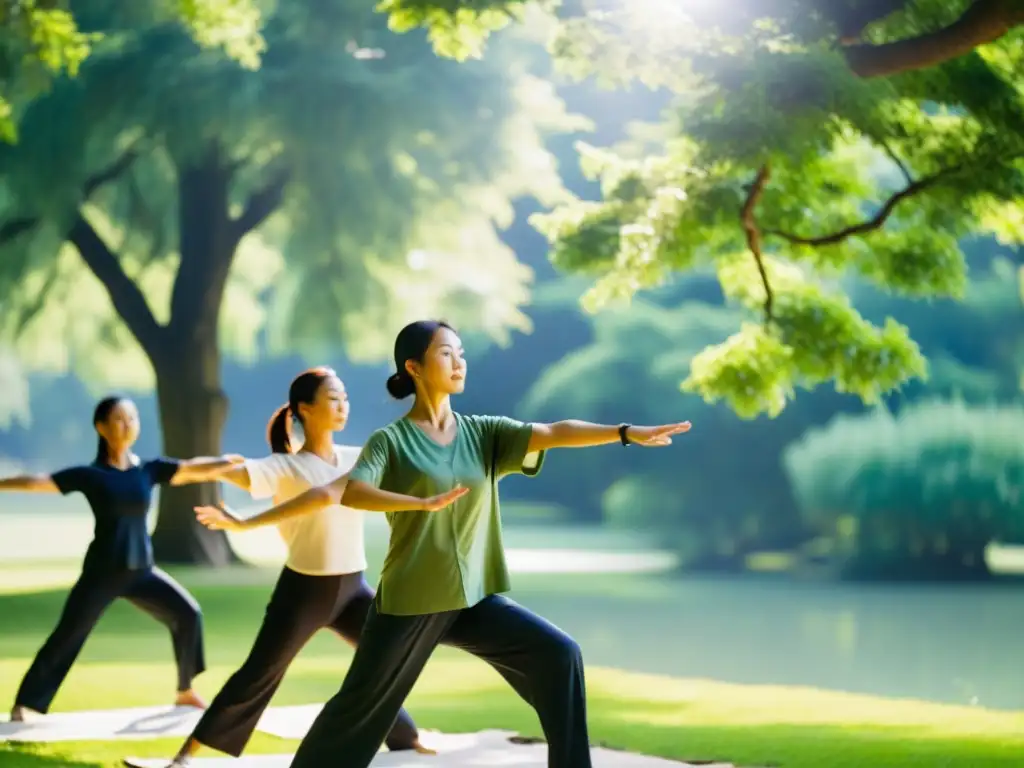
189,698
21,714
421,750
176,763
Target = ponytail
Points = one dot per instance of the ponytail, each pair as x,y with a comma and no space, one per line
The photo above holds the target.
279,430
303,389
102,451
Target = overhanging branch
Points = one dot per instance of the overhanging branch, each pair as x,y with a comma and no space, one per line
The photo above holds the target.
262,203
125,295
112,172
852,17
12,229
983,22
749,221
868,225
28,312
907,175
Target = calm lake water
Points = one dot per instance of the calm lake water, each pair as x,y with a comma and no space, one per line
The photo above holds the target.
956,644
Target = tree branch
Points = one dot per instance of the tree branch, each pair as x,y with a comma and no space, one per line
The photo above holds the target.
983,22
29,311
908,177
125,295
749,222
261,203
12,229
852,17
111,173
875,222
207,241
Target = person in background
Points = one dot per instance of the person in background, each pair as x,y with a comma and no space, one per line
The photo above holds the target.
119,562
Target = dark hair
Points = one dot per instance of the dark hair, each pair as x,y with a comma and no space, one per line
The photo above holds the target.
303,389
411,344
100,414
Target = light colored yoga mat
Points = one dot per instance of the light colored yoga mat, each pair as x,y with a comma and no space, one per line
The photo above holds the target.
103,725
454,750
289,722
147,722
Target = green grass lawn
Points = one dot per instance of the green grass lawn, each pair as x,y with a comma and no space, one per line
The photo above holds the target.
127,662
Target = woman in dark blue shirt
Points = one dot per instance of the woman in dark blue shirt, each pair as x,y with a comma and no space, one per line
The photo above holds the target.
119,561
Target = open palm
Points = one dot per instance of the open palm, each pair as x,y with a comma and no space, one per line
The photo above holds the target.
442,500
655,437
217,519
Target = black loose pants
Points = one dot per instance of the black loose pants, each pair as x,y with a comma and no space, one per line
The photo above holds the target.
149,589
299,606
543,664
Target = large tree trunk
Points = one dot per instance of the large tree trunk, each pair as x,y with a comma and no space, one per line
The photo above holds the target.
193,407
184,352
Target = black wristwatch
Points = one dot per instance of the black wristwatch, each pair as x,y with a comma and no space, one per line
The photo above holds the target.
623,437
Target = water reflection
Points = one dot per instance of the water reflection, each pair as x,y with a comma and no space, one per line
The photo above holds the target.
958,644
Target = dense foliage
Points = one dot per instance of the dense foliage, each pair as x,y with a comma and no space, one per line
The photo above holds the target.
921,493
691,498
792,157
41,39
170,201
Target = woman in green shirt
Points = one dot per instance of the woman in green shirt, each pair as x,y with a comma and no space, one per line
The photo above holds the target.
445,570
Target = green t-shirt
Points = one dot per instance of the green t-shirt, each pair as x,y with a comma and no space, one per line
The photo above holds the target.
452,558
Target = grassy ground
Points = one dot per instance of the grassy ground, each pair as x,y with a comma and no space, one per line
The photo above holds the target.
127,663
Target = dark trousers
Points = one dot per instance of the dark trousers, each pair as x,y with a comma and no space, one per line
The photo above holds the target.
299,606
152,590
542,664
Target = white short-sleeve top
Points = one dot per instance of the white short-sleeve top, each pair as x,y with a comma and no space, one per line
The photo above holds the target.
328,542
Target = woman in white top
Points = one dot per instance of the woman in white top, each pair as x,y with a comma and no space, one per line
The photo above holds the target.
322,583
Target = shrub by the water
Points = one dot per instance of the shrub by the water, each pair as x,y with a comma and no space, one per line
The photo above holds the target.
918,495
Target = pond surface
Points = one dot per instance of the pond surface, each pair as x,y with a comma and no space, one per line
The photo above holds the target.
960,644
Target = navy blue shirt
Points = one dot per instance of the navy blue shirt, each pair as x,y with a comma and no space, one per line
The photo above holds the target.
120,500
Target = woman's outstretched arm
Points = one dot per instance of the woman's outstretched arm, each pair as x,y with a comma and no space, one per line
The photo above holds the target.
355,494
584,434
29,484
360,495
237,476
205,469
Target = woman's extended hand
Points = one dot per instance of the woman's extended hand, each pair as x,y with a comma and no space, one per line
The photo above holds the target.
218,518
442,500
654,437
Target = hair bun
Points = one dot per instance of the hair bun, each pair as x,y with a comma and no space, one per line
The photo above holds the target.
400,385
